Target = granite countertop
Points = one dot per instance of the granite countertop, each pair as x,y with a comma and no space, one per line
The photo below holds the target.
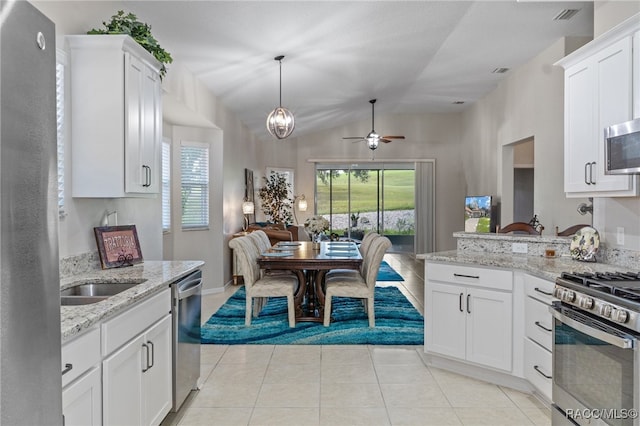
546,268
157,275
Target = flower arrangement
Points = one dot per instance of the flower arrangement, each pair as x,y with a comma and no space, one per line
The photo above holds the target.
316,225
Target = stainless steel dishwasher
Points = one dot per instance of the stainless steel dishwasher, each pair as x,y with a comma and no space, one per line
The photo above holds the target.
186,310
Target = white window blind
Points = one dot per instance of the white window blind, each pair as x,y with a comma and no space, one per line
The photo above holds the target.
166,186
60,132
194,164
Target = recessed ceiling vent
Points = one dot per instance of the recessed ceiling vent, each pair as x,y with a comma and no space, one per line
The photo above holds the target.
500,70
566,14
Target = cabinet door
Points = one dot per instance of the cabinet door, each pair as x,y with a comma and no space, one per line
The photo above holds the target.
489,325
157,385
613,100
445,319
122,384
143,124
579,149
82,400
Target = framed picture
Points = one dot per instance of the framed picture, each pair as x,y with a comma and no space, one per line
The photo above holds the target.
477,213
118,246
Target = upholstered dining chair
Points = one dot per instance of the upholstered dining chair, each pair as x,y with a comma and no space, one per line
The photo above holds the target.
358,286
262,287
364,248
263,243
261,239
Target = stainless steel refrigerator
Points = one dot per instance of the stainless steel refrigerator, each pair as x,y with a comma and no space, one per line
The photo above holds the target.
30,374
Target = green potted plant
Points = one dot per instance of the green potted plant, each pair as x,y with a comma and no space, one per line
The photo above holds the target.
274,197
122,23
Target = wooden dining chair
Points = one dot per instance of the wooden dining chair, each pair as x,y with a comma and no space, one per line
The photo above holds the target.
570,230
258,286
358,286
521,227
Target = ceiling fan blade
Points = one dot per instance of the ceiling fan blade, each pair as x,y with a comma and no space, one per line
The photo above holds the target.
393,137
354,137
384,140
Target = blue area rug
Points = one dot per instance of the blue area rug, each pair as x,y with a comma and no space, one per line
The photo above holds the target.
397,323
387,273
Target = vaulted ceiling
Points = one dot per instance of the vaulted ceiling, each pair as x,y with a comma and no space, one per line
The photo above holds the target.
413,56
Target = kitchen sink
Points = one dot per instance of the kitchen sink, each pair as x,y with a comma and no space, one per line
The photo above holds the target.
87,293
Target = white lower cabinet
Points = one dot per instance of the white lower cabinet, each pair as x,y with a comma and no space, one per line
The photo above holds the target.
537,367
81,380
137,361
137,378
466,321
538,334
82,400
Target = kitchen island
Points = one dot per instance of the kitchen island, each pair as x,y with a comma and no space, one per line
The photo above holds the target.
487,307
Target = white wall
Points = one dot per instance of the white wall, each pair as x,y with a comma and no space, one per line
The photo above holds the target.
527,104
191,111
428,136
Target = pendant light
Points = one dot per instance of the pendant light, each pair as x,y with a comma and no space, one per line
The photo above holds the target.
280,121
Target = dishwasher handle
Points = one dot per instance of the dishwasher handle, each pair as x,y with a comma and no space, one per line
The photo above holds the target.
189,288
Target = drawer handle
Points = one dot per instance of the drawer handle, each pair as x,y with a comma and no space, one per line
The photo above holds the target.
535,367
146,360
543,292
475,277
543,327
67,368
153,354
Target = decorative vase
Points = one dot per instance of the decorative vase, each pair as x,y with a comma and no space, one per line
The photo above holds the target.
315,241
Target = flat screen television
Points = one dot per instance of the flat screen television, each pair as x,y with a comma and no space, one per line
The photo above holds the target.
477,213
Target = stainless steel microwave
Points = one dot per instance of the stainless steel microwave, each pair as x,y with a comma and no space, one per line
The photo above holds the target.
622,148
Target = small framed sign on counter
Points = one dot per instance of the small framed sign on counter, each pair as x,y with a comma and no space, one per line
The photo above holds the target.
118,246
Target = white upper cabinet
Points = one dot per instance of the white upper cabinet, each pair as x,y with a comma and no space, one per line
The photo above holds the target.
599,91
116,117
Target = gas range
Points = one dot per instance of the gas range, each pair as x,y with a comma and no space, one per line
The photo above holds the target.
614,296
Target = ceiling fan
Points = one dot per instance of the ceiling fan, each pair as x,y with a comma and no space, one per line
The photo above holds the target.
373,139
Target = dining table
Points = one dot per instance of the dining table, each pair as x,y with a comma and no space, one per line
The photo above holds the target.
310,262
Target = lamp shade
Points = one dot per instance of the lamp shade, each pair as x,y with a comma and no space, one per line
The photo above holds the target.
302,204
248,207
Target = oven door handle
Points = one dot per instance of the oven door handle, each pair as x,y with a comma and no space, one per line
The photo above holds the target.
590,331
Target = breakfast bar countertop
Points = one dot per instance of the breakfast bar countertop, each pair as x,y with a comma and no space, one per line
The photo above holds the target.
157,275
546,268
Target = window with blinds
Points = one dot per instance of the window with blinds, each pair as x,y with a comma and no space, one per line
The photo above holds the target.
194,165
166,186
60,132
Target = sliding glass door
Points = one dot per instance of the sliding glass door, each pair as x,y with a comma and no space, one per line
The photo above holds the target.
370,197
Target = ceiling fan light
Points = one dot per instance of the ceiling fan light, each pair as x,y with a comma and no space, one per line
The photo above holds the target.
280,123
372,143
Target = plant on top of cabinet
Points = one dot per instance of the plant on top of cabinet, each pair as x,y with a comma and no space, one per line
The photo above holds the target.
140,32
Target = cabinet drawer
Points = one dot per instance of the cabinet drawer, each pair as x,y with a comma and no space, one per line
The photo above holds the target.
124,327
469,275
538,322
539,289
80,354
537,367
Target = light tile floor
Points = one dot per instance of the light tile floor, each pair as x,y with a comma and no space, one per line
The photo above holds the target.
346,385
